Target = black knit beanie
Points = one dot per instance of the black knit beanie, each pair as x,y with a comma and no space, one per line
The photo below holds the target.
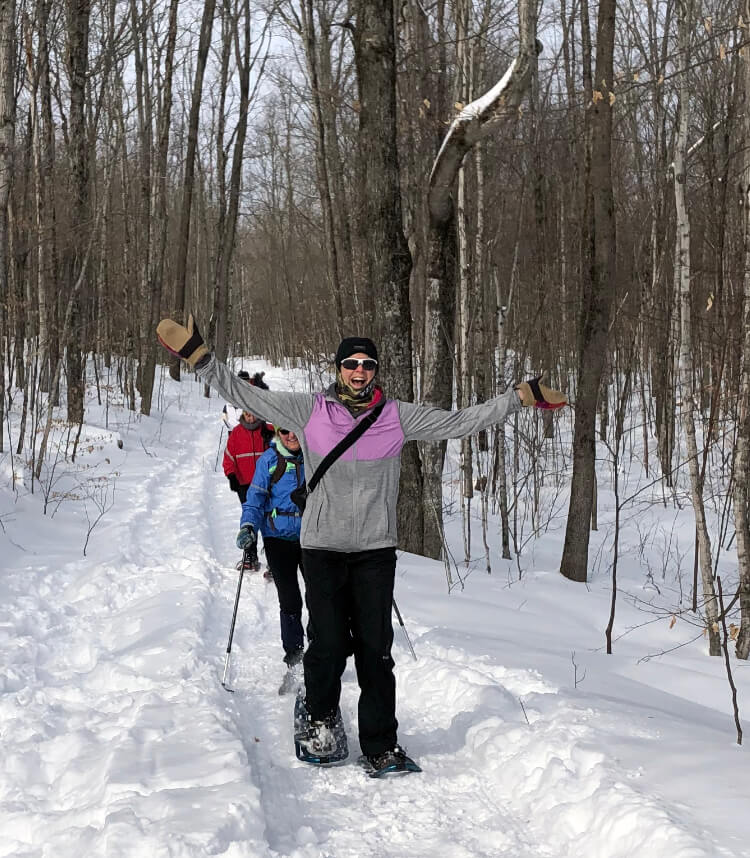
353,345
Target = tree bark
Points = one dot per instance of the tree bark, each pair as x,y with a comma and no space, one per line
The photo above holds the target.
742,450
227,238
158,219
78,12
322,161
476,120
188,181
329,94
682,287
388,259
43,146
596,302
7,141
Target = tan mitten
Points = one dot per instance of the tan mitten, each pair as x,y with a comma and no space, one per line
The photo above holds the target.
183,342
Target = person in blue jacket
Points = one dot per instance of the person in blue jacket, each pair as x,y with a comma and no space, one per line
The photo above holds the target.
269,509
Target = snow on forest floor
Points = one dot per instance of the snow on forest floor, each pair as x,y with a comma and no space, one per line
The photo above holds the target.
117,738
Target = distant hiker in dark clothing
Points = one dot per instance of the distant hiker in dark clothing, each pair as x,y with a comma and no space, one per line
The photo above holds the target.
348,534
270,510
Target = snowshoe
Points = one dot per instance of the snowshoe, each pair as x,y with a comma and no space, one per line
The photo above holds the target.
393,762
321,743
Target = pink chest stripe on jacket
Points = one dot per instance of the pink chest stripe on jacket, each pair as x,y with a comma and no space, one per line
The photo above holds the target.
330,422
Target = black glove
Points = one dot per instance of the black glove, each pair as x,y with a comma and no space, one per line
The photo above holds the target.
246,538
234,483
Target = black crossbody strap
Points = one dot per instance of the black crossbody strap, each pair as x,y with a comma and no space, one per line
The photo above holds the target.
344,444
280,469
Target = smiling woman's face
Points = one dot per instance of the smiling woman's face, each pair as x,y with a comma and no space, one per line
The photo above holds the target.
359,377
289,440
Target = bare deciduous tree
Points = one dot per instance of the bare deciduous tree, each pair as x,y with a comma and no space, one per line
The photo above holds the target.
476,120
158,223
188,180
7,136
742,453
682,288
388,259
598,287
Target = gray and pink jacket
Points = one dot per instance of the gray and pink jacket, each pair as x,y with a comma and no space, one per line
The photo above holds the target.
353,508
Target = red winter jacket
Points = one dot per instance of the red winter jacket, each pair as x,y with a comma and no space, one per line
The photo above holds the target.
244,447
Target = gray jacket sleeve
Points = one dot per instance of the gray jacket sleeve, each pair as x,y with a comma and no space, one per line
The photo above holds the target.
424,423
289,410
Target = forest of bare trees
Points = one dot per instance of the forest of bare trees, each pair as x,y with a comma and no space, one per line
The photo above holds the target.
490,190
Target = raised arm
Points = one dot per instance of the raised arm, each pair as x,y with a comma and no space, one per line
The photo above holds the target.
423,423
290,410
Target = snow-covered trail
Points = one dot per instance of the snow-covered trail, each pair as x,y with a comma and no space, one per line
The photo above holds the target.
118,706
117,738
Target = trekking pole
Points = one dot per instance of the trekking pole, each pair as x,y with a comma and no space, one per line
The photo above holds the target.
218,449
245,555
401,623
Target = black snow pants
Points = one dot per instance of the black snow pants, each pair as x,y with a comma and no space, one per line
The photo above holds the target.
349,598
284,557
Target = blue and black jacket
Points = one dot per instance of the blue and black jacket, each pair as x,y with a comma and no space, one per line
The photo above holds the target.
268,506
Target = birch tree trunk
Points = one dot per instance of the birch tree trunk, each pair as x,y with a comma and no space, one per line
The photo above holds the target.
682,283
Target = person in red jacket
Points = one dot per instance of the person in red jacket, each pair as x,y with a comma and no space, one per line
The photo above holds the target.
246,443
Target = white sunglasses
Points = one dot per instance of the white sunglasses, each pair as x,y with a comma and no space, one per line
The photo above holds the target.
366,363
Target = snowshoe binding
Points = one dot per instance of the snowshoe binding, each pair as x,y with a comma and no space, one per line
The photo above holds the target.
295,675
392,762
321,743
